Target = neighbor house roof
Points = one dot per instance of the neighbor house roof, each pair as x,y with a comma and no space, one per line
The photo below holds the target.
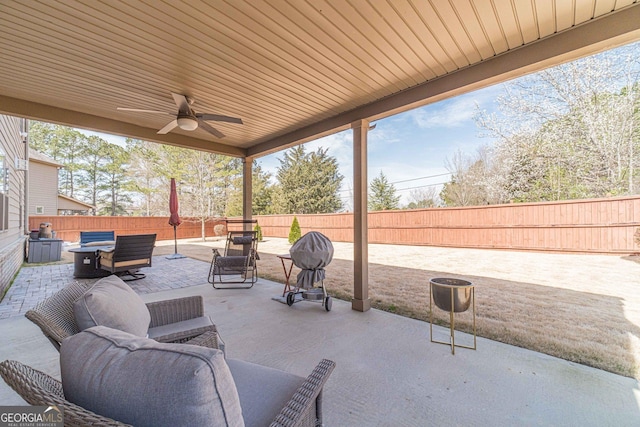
36,156
65,202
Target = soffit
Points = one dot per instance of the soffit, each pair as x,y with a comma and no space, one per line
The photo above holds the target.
292,70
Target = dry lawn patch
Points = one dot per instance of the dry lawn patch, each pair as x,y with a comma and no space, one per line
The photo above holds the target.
582,308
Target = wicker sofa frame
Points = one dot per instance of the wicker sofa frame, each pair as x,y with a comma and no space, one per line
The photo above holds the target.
55,317
304,409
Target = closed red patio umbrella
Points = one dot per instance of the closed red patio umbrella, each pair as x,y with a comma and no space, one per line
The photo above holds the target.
174,218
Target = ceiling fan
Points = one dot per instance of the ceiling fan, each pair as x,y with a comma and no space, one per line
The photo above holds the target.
187,119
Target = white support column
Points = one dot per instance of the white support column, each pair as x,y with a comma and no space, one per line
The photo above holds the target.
360,301
247,191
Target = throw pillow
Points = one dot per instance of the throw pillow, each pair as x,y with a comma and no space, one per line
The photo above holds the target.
111,302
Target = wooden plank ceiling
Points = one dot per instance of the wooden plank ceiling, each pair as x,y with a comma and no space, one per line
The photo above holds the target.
291,69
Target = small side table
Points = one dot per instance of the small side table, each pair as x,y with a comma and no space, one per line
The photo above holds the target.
287,273
454,296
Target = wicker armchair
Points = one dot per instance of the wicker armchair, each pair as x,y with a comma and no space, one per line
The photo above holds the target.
55,317
37,388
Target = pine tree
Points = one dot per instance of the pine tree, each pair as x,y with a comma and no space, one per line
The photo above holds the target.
382,195
294,232
113,195
308,182
258,231
262,194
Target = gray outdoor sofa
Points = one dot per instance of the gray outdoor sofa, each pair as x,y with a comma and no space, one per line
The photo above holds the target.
191,385
156,364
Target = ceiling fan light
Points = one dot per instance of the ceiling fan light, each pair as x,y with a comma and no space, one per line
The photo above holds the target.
187,123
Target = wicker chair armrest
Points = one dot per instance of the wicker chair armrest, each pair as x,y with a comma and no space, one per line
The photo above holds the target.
175,310
209,339
296,411
50,329
54,315
40,389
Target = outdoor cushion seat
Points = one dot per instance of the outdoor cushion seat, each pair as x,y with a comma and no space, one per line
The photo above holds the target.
180,330
100,243
142,382
106,259
263,391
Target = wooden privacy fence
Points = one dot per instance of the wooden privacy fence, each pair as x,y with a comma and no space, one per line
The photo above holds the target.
594,225
68,228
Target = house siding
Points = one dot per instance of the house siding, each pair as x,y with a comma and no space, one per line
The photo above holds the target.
43,188
12,240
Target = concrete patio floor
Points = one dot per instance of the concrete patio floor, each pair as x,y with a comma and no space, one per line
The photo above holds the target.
387,374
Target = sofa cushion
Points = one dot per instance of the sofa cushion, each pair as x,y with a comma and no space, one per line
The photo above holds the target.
111,302
142,382
181,330
263,391
100,243
106,259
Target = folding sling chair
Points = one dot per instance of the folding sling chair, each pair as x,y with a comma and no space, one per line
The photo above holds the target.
239,260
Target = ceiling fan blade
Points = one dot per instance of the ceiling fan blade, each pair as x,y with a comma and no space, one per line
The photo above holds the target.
138,110
213,131
169,127
182,102
219,118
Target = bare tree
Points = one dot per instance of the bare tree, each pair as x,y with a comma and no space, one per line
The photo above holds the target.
570,131
425,197
473,180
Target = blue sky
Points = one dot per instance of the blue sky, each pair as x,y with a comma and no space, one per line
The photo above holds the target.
411,145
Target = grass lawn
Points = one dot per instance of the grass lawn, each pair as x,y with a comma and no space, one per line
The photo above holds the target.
582,308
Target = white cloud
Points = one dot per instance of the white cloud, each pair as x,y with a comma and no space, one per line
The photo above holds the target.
456,113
